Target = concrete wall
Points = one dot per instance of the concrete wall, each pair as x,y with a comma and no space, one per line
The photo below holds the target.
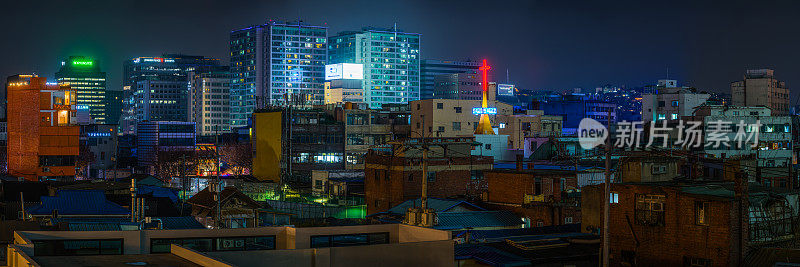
431,253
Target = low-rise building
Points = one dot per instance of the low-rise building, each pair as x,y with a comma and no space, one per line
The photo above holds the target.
393,174
364,245
710,224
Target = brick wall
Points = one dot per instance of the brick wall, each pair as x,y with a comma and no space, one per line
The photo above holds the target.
679,237
390,181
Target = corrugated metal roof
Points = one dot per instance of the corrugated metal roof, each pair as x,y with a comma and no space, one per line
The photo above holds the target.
474,219
438,205
185,222
78,202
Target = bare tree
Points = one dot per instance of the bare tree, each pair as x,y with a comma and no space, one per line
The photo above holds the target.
239,156
175,162
84,159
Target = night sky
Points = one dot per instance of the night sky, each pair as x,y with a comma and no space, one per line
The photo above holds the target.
554,45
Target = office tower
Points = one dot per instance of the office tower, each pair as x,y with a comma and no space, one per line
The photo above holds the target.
156,100
153,137
463,86
43,137
210,102
760,88
391,60
168,67
84,76
431,68
276,64
114,106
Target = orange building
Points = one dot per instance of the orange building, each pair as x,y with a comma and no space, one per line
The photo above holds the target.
42,134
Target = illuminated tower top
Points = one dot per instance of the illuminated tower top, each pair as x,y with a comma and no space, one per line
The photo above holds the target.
484,125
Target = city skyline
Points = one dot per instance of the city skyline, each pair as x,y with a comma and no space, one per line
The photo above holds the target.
550,46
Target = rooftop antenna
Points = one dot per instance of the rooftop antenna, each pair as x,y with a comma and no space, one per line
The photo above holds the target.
667,72
508,79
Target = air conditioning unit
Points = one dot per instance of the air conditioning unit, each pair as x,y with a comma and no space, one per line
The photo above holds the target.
45,169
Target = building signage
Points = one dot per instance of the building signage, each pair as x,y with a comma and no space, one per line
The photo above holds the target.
505,89
154,59
82,63
479,111
344,71
61,107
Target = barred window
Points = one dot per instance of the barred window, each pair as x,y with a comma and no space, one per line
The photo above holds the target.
701,212
650,209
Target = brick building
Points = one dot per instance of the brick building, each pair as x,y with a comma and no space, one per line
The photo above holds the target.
393,174
691,225
541,197
42,131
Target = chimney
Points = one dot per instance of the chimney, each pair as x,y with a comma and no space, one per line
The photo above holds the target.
519,162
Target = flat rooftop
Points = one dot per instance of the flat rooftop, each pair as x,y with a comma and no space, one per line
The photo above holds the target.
127,260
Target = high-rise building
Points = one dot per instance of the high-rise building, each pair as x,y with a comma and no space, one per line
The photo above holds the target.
153,137
168,67
431,68
344,83
210,102
42,135
463,86
114,106
84,76
276,64
161,101
391,61
760,88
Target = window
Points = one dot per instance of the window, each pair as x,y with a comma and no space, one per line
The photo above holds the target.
431,177
162,245
456,126
613,198
701,212
662,116
439,105
649,210
324,241
659,169
675,103
735,113
488,146
457,109
539,224
673,116
660,104
568,220
696,262
77,247
476,175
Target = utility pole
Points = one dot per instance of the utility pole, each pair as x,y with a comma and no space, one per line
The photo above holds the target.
606,203
133,199
217,182
424,176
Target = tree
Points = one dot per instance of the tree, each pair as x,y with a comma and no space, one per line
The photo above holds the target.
239,156
175,162
84,159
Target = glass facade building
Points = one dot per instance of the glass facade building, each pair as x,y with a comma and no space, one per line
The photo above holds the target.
432,68
210,102
391,60
276,64
83,75
167,68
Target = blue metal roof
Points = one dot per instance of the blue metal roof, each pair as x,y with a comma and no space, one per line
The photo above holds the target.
158,191
78,202
439,205
185,222
474,219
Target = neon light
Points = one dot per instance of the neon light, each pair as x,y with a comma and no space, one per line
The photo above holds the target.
82,63
98,134
479,111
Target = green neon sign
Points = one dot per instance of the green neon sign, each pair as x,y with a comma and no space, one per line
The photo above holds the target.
82,63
